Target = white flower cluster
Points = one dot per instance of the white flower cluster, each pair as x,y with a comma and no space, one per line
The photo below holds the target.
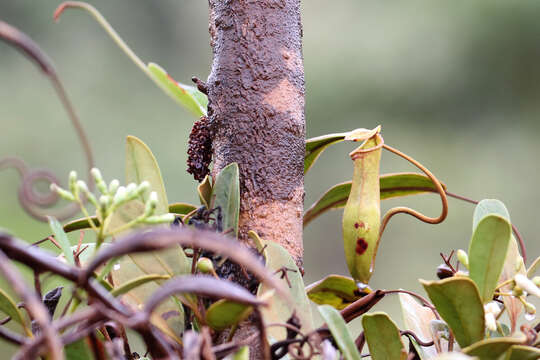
112,197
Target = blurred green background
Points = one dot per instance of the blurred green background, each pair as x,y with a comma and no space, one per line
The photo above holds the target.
455,84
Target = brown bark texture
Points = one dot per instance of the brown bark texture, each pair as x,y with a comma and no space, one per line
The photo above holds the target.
256,110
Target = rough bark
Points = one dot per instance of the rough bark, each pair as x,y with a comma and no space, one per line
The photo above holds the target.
256,109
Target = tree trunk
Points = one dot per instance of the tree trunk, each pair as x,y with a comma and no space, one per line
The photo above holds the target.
256,109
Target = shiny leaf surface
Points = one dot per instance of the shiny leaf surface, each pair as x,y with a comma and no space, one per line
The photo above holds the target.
226,195
458,302
487,253
383,337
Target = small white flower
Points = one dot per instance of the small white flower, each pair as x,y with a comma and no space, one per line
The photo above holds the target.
120,195
492,308
131,189
153,198
159,219
113,186
104,200
526,284
82,186
143,187
96,174
491,323
73,182
63,193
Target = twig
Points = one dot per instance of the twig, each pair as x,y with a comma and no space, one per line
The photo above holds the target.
34,306
420,342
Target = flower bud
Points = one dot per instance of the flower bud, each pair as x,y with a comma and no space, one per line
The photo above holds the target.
131,188
463,258
61,192
143,187
104,200
96,174
120,196
82,186
98,179
527,285
530,308
536,280
205,265
73,182
491,323
151,204
492,308
113,186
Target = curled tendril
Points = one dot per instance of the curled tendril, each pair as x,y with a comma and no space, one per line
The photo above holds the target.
406,210
32,201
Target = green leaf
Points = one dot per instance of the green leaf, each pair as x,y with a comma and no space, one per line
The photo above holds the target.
279,310
417,318
205,191
181,208
339,331
124,214
489,349
79,350
488,207
126,271
458,302
80,224
132,284
62,239
226,195
141,165
522,352
9,307
315,146
187,96
335,290
391,186
487,252
258,242
170,262
225,313
383,337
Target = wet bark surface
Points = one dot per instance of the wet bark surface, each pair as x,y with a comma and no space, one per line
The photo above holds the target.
256,110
